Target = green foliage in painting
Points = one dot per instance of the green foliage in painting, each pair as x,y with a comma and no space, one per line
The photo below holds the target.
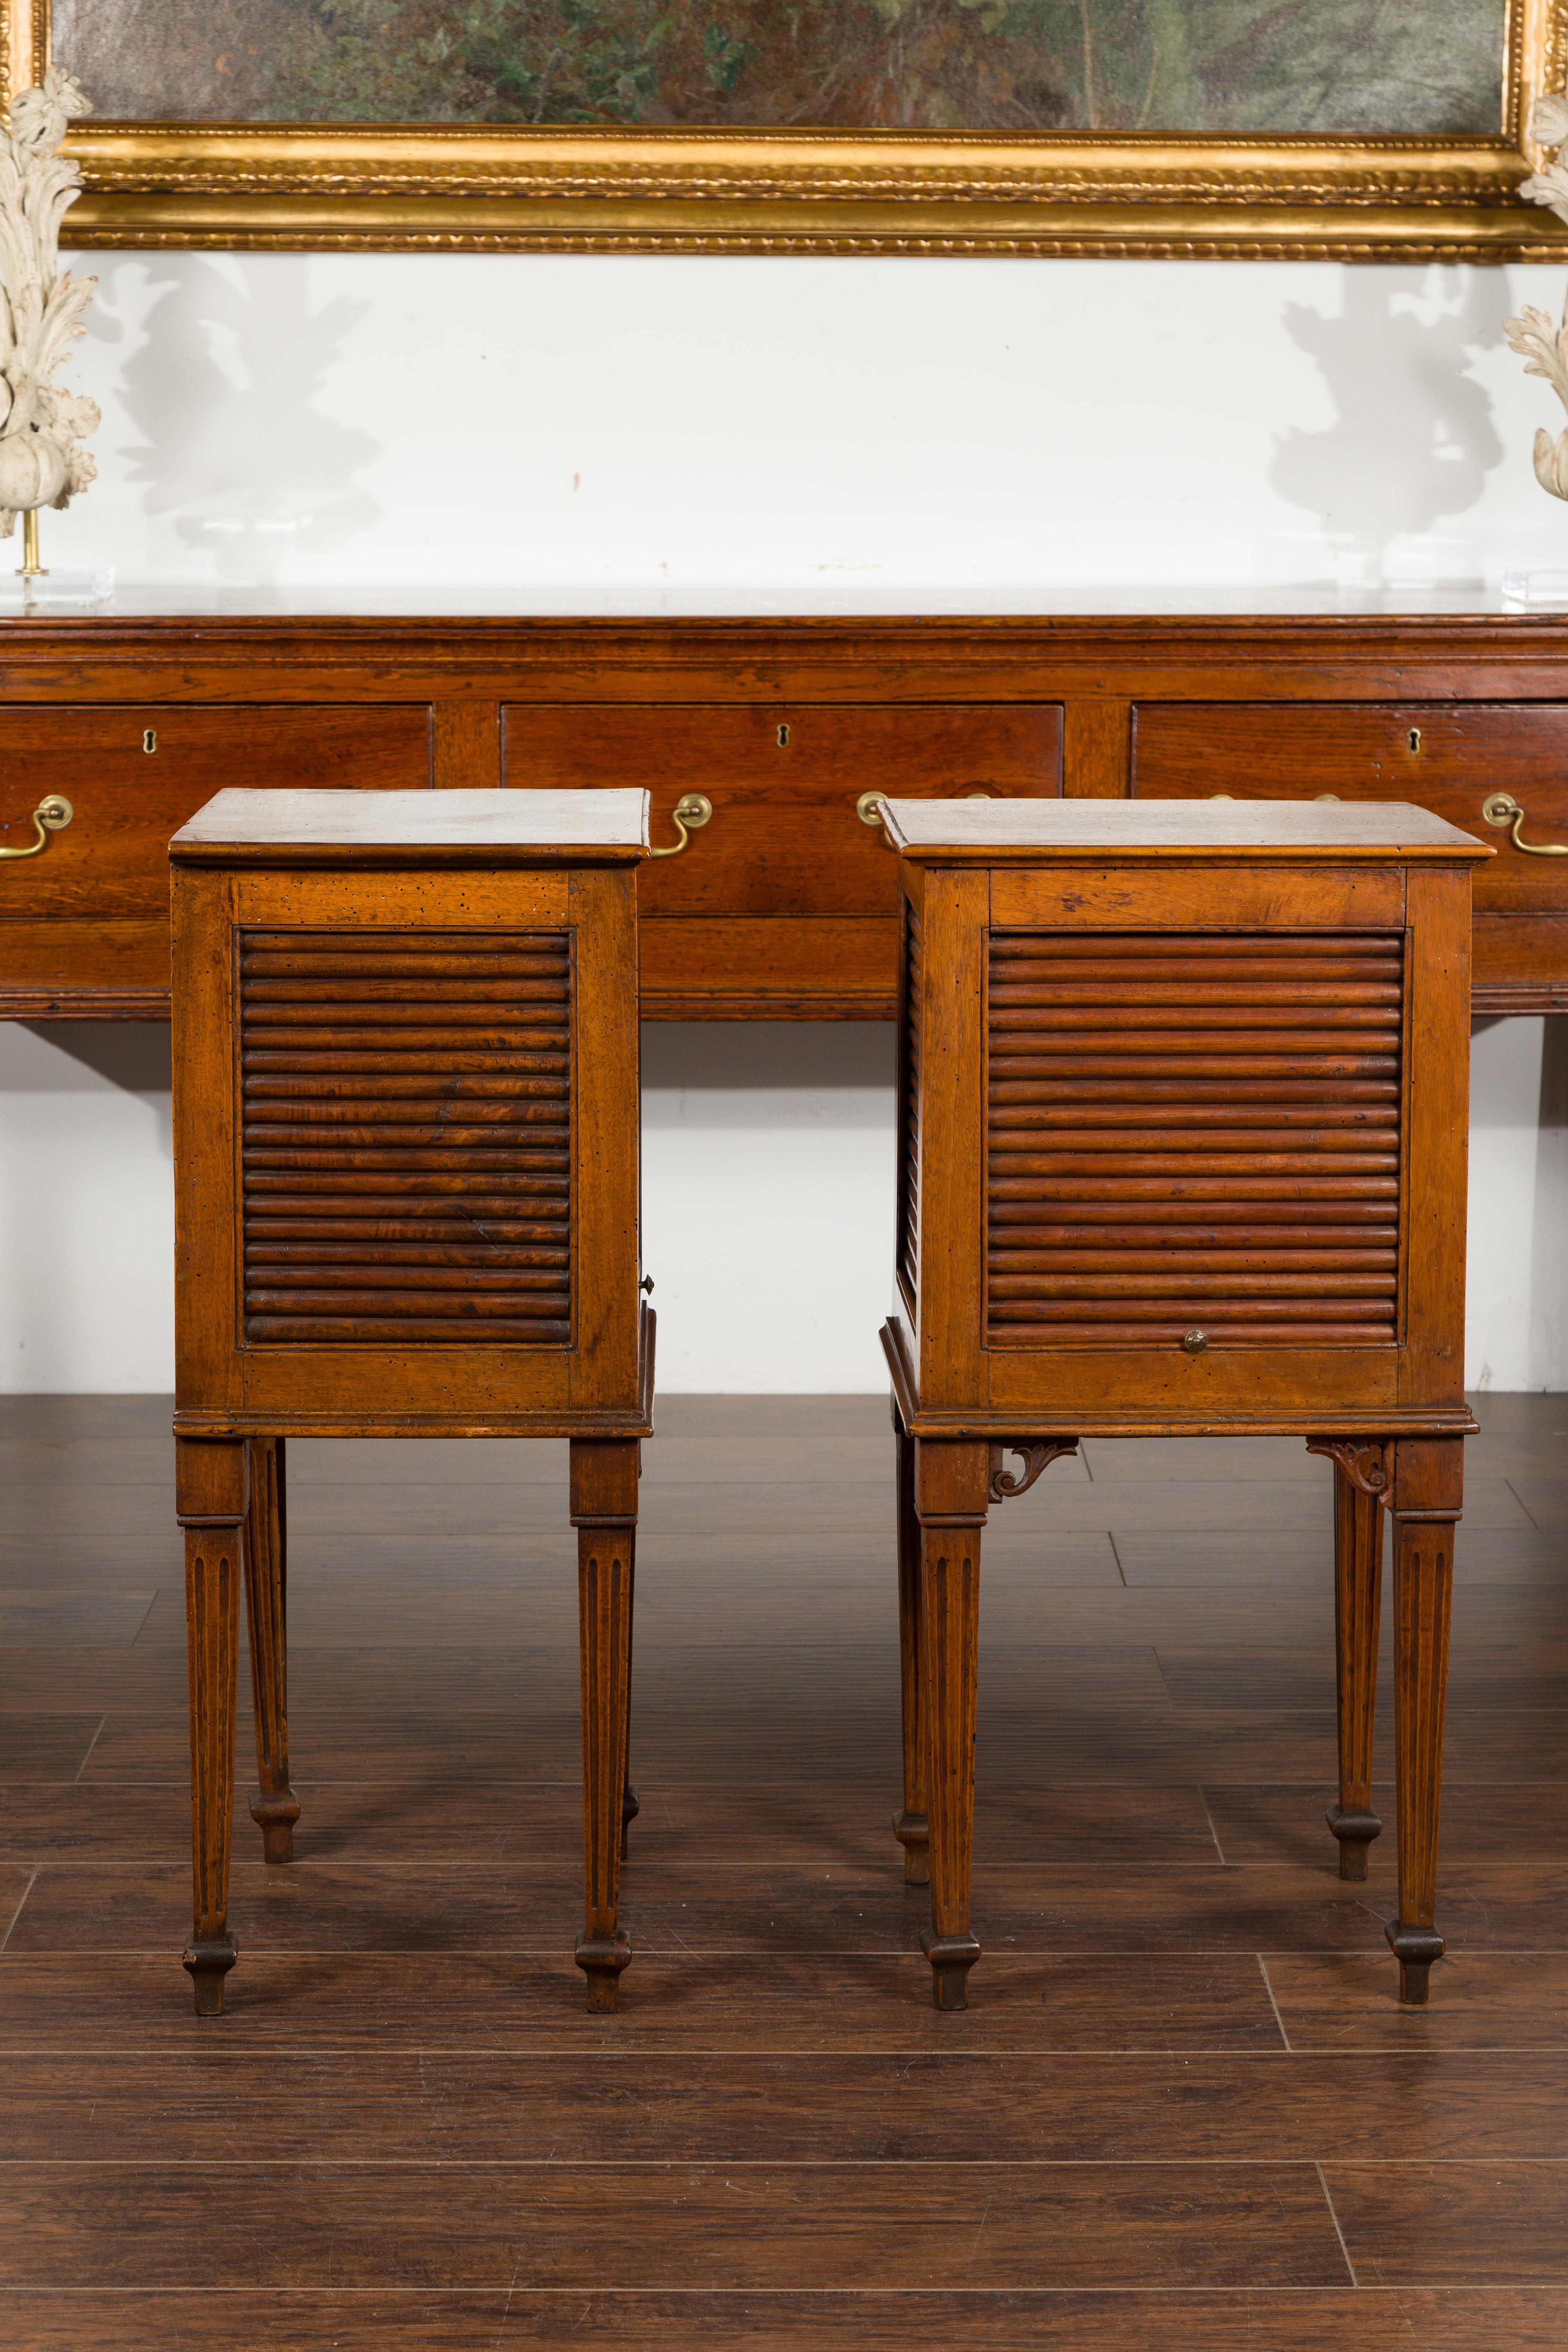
1226,67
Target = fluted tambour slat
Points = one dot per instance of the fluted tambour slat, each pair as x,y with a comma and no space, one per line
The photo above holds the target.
407,1136
1194,1130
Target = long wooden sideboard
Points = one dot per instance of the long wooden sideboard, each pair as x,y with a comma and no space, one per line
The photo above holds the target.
785,905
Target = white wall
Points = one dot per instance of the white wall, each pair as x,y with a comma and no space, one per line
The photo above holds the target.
796,429
773,435
767,1205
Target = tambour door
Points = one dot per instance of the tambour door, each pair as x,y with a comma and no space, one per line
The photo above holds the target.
405,1135
1196,1164
406,1112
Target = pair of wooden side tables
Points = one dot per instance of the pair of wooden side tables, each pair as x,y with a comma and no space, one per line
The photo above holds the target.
1182,1116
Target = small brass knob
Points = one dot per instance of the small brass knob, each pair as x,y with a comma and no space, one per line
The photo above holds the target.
868,807
691,812
53,814
1502,810
1195,1343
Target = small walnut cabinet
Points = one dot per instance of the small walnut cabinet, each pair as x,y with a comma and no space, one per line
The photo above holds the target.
405,1138
1182,1138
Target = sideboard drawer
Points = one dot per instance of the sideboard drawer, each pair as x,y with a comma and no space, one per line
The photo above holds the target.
784,778
1448,756
135,774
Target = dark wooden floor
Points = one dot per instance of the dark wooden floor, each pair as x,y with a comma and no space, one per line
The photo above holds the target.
1183,2109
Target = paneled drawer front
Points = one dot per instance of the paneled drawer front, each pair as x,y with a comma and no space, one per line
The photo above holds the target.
1448,757
783,779
133,775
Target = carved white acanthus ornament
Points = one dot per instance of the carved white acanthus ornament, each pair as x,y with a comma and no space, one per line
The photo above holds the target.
42,462
1541,344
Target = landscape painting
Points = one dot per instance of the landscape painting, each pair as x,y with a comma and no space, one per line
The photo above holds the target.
1216,68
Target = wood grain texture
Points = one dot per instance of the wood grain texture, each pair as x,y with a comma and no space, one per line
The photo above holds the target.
212,1498
978,2226
784,907
112,860
1188,2319
891,2107
1448,759
275,1808
407,1136
1193,1129
966,831
1358,1597
1220,1129
1182,2012
407,1195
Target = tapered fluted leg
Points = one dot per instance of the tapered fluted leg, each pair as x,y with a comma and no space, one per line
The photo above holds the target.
951,1482
603,1512
1427,1495
1358,1592
274,1808
629,1805
911,1825
211,1500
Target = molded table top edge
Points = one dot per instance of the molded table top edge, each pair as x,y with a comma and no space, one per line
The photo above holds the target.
244,825
996,832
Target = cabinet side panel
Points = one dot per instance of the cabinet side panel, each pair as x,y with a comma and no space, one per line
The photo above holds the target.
1440,970
605,1160
206,1262
952,1137
909,1235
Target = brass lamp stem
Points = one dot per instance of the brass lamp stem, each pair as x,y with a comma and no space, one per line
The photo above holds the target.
31,569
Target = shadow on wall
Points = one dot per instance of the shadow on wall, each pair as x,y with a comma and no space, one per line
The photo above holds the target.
136,1055
1413,439
224,384
1549,1239
761,1074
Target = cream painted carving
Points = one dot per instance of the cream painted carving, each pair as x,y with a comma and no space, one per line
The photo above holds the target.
1542,346
42,461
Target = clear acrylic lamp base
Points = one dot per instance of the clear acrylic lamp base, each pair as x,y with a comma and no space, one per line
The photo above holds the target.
1535,592
40,592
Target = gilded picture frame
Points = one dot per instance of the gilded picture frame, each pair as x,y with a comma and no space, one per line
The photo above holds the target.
325,186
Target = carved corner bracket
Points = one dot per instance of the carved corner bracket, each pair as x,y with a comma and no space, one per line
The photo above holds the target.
1367,1465
1005,1484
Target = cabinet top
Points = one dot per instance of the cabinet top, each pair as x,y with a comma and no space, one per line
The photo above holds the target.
540,603
601,826
983,831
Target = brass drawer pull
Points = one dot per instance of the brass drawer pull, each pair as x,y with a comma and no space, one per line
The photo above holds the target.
1502,810
691,812
53,814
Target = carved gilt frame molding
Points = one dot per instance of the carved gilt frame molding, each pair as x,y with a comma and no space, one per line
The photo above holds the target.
321,188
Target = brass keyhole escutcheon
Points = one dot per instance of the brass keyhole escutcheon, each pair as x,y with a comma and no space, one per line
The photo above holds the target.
1195,1343
1416,738
150,738
783,736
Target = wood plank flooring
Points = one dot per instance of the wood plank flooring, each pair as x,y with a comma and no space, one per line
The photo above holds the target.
1183,2111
